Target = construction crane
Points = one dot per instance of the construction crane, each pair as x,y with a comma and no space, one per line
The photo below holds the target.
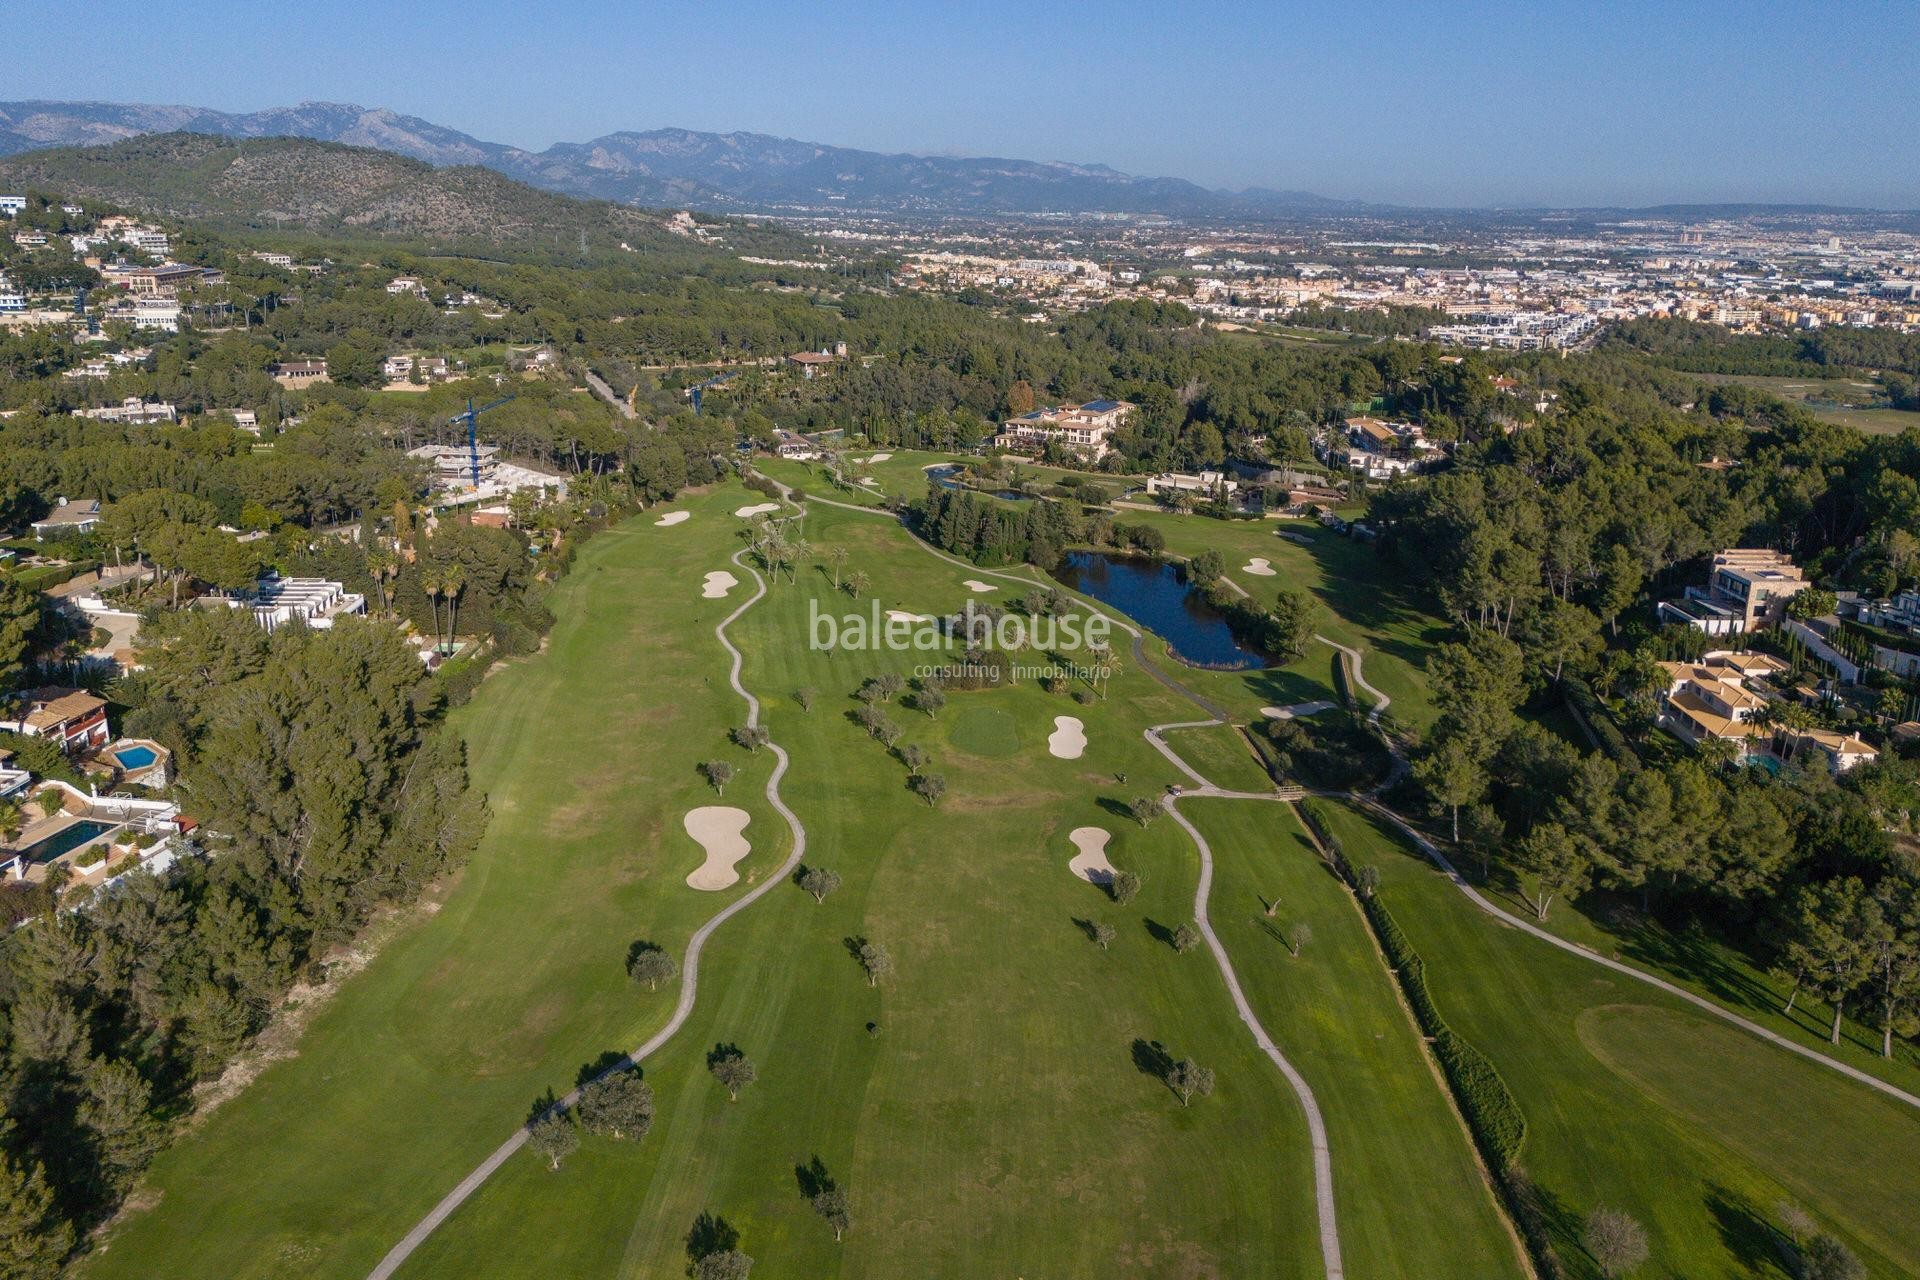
470,417
697,389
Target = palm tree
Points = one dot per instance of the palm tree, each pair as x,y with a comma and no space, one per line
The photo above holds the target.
858,581
837,557
453,580
430,583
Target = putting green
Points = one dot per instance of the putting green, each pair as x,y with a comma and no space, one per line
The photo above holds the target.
987,732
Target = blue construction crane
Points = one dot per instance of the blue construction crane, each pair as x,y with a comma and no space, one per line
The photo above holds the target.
471,416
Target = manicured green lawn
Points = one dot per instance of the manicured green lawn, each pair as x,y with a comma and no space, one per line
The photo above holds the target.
1412,1200
426,1060
984,1105
1704,964
1222,757
1636,1101
994,1117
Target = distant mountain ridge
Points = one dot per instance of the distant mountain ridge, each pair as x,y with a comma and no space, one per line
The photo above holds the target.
303,184
721,172
752,172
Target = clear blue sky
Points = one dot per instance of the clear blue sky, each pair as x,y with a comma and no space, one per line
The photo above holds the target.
1414,101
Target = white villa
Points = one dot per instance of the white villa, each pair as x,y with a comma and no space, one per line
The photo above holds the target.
1083,428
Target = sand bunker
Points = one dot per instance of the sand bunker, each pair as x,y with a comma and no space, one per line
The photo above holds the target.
1091,864
975,585
717,828
718,583
1068,739
901,615
870,482
758,508
1259,567
878,457
674,517
1297,709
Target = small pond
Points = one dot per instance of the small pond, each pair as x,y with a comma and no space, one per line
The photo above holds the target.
1157,596
948,477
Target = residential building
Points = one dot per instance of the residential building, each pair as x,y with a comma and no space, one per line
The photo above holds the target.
133,410
1207,484
276,601
1711,698
72,718
296,374
811,363
1748,587
11,205
76,517
1085,429
13,779
791,444
1839,752
454,465
141,280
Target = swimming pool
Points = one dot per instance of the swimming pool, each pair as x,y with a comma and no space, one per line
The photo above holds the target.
65,840
134,757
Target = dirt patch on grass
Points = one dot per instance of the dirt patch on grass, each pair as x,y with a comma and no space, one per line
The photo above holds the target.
279,1041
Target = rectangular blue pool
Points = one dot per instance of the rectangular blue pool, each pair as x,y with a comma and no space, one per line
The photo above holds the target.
65,840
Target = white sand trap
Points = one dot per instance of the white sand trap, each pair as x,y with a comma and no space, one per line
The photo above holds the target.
758,508
1297,709
717,827
718,583
871,483
901,615
1068,741
878,457
1091,864
674,517
977,586
1259,567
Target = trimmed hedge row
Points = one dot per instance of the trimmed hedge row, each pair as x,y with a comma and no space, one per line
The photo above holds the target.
1495,1118
1493,1115
44,577
1343,678
1580,698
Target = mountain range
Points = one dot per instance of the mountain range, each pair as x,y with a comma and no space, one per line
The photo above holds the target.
720,172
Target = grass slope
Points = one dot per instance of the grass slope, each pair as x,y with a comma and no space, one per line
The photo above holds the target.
1412,1201
1636,1101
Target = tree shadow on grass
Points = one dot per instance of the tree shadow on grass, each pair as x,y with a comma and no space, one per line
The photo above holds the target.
541,1105
1118,808
1158,932
711,1234
611,1060
813,1178
1151,1058
1746,1235
1272,930
722,1051
1087,927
